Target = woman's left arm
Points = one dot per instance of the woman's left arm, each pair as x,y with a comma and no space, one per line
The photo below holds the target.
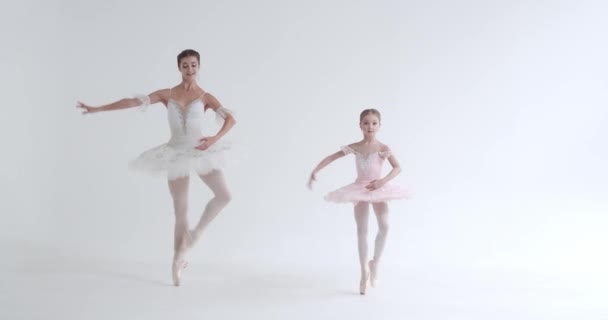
212,103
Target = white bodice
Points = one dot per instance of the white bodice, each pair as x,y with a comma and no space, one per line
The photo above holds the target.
185,122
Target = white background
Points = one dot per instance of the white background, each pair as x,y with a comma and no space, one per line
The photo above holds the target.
495,109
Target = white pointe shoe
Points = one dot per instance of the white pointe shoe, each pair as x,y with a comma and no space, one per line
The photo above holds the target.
176,270
363,283
373,273
179,263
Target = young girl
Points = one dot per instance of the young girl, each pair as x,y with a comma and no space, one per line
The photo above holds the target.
187,151
369,187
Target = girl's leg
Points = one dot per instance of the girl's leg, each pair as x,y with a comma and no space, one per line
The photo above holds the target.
381,210
362,218
216,182
179,193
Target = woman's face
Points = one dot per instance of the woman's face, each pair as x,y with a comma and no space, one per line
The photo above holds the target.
189,67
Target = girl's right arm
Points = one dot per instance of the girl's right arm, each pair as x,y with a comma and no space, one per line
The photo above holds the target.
152,98
324,163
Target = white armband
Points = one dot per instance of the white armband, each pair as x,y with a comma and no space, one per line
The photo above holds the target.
144,101
222,113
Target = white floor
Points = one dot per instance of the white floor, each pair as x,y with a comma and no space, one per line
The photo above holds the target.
43,286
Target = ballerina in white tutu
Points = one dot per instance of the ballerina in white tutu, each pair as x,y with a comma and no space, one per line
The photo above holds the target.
187,151
369,187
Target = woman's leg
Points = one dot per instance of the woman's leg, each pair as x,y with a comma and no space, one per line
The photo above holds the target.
179,192
217,183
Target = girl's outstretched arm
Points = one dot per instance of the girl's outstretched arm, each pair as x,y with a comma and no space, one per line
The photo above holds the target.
324,163
152,98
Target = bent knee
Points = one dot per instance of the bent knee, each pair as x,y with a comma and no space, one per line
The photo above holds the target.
383,228
224,197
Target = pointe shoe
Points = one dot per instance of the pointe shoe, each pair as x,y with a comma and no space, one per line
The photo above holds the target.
176,270
363,283
373,273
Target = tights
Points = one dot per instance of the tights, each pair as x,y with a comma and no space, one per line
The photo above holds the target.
184,237
362,218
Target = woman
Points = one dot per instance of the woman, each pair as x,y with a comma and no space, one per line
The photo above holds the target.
187,151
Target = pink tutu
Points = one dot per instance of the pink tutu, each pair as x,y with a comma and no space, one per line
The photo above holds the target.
356,192
368,169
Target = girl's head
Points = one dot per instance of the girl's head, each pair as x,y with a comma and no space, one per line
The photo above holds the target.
188,62
369,122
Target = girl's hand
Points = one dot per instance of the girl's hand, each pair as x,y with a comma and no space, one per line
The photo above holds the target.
86,108
312,179
206,142
375,184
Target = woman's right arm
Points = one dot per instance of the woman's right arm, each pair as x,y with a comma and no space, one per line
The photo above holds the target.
152,98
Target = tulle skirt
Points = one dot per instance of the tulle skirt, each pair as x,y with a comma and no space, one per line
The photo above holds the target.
356,192
181,160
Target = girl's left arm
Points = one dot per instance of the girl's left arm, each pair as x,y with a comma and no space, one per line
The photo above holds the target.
396,169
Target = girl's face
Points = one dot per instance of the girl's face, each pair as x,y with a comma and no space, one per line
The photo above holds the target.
370,124
188,66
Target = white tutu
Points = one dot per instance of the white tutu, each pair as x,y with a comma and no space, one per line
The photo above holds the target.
179,161
178,157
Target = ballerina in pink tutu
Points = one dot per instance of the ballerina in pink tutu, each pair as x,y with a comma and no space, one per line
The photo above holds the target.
369,187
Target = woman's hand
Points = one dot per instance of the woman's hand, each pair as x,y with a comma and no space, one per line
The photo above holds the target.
206,142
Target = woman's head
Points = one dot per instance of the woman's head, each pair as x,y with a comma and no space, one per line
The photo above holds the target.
369,121
188,62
